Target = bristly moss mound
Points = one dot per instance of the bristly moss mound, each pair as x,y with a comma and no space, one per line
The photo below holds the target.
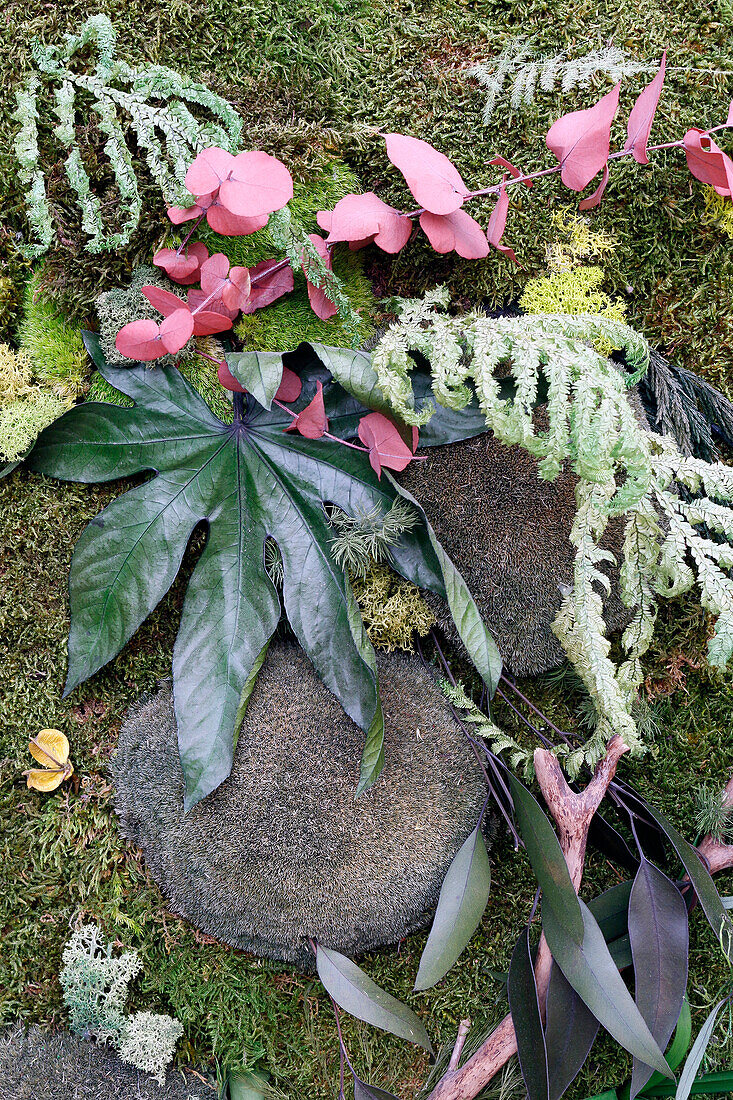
392,608
39,1065
54,346
282,850
508,531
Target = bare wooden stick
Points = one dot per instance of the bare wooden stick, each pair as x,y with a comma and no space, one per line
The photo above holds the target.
573,814
463,1030
717,855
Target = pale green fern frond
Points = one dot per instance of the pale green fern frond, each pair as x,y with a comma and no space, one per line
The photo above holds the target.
150,104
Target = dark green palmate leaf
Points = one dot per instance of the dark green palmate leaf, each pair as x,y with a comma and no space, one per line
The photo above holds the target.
356,993
525,1009
659,945
246,481
463,898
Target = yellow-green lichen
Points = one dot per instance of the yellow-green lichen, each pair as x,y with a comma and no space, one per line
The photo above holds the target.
718,211
573,292
392,609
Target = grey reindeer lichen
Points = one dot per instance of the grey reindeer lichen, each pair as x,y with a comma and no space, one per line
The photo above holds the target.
152,104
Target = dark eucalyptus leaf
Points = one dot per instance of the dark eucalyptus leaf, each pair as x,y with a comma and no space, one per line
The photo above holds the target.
548,862
592,973
525,1009
611,909
356,993
701,878
463,898
697,1053
245,481
570,1032
363,1091
603,836
659,945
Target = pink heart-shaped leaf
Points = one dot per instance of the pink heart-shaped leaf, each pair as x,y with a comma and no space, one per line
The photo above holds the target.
290,386
227,379
511,169
229,225
383,441
267,288
207,322
210,168
214,274
176,330
312,422
258,185
642,116
361,219
182,267
457,231
196,298
707,162
140,341
433,179
162,300
497,223
595,198
321,304
581,140
236,291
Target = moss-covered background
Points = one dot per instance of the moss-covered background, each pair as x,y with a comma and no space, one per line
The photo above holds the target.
316,80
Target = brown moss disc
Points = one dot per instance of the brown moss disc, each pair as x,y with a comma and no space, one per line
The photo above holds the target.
282,851
507,531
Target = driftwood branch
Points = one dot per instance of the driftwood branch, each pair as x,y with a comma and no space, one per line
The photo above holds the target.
717,855
572,814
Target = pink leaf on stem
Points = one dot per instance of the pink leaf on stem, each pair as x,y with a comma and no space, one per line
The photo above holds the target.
457,231
497,223
433,179
176,330
267,288
312,422
257,184
707,162
321,304
208,171
642,116
513,171
182,267
225,223
207,322
180,214
140,341
162,300
196,298
214,274
581,140
363,219
290,386
227,379
595,198
382,440
236,291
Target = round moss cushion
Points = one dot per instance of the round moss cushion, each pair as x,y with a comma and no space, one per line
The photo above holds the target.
282,851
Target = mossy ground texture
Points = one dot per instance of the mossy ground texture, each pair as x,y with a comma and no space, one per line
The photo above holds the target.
317,80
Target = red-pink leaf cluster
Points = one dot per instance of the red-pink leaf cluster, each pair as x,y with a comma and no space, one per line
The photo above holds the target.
363,219
147,340
707,162
321,304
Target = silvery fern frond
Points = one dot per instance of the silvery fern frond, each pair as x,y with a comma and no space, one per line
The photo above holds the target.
151,104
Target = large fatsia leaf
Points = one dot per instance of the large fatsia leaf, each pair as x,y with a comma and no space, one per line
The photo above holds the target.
245,481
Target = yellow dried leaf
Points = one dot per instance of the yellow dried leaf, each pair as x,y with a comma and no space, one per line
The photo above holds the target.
41,780
50,748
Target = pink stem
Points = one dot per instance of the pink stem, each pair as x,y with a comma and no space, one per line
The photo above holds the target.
190,233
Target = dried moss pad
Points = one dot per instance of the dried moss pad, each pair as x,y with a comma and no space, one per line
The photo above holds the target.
507,531
282,851
38,1065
